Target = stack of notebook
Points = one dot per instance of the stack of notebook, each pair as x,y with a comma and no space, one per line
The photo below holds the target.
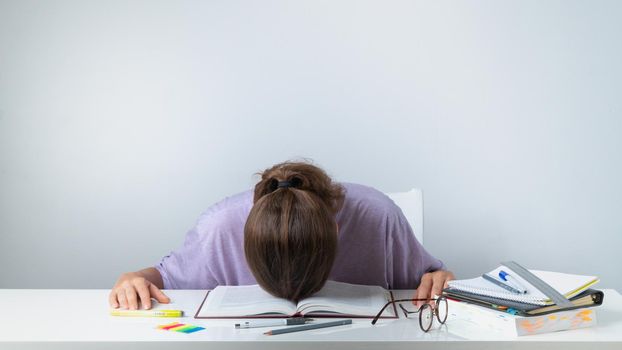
548,301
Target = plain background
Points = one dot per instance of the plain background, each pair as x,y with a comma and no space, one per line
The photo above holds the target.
121,121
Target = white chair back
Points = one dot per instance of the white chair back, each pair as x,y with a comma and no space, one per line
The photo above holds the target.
411,203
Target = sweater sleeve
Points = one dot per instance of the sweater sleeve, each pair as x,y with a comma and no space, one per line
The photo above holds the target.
407,260
187,267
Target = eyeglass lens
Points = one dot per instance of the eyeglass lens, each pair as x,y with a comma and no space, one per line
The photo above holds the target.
441,310
426,317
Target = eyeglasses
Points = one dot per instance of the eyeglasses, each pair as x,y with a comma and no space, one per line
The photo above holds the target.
426,311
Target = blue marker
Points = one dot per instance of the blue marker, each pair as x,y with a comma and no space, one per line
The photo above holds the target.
511,280
501,284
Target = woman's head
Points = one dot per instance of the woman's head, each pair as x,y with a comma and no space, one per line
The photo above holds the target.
290,237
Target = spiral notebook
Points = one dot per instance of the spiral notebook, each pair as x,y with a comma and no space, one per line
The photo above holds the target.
568,285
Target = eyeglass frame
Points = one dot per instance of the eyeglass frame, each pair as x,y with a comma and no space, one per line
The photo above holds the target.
426,305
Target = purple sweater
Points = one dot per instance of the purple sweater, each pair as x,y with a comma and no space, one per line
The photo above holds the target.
376,246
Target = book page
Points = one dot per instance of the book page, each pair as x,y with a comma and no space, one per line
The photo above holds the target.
567,284
480,286
345,298
232,301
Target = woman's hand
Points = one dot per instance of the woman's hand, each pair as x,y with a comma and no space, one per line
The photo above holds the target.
132,288
432,283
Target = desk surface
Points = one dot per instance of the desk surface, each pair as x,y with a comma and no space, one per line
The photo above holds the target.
77,318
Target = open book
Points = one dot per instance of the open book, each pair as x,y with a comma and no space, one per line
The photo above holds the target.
335,299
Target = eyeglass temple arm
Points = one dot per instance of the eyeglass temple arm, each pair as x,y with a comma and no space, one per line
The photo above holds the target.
373,322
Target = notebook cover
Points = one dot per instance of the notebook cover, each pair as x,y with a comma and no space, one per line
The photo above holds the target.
196,315
521,308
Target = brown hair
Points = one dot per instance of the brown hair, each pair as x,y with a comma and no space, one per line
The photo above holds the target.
290,236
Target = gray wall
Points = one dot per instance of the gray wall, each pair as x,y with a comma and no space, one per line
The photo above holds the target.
120,121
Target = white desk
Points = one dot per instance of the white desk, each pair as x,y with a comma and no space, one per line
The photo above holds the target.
79,319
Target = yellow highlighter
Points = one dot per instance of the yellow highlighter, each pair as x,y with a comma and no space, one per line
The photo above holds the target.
147,313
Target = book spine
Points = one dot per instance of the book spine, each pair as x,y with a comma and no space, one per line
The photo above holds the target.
471,317
558,321
476,319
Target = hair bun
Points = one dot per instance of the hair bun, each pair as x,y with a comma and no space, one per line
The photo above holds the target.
296,181
273,185
301,176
